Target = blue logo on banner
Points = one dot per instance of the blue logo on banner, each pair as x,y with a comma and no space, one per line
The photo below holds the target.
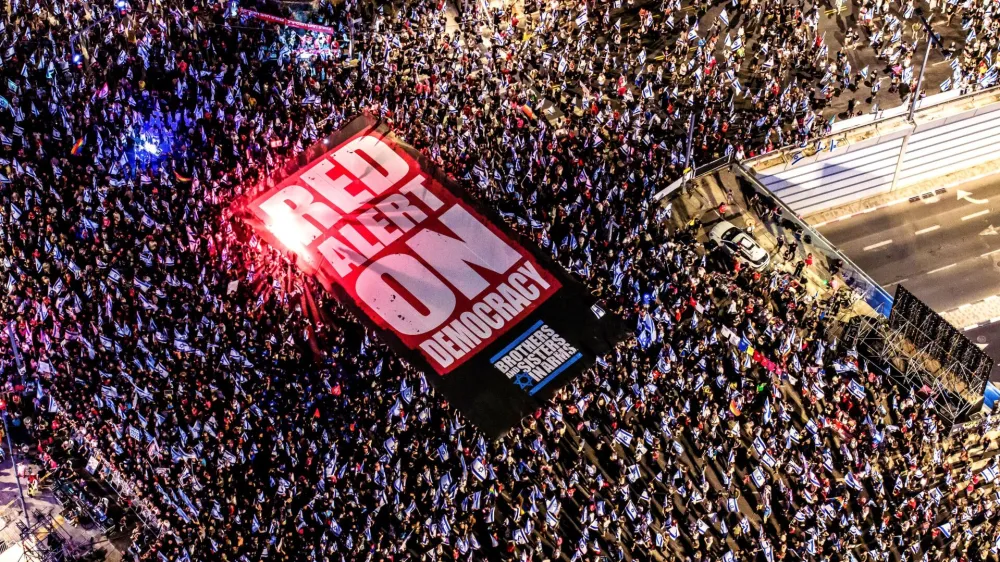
535,358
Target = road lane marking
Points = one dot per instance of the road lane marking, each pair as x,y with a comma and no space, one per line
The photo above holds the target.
976,214
879,245
968,197
928,229
971,327
942,268
898,282
964,306
990,253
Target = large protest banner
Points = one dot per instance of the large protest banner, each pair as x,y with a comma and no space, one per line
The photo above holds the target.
496,325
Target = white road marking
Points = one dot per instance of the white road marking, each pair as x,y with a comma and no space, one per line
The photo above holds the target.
964,306
879,245
897,282
942,268
990,253
982,345
928,229
974,215
971,327
967,196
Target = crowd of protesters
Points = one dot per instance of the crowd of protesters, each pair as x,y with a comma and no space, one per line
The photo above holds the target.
248,417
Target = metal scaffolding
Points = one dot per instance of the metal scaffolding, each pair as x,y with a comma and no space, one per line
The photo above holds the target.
913,359
43,541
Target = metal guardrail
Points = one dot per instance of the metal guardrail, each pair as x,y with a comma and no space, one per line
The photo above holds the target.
689,176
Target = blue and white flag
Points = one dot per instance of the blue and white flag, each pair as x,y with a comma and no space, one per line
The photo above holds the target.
989,475
623,437
856,389
479,470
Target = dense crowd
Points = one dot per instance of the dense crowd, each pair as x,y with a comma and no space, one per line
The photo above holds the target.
248,417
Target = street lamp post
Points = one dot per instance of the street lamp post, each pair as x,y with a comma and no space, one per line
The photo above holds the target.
13,461
932,38
688,164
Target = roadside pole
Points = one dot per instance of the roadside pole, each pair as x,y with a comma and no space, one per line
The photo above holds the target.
688,164
932,38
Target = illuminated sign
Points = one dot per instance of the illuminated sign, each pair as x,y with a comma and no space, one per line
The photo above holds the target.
410,254
422,263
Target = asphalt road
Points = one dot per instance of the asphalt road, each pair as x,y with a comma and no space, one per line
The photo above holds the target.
944,249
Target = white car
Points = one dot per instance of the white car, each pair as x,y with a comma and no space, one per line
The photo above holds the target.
727,235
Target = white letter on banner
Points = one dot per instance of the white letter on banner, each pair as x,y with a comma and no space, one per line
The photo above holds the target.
476,244
288,210
334,189
372,289
370,160
435,350
341,256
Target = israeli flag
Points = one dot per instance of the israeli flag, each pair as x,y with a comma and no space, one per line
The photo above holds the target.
945,530
855,388
479,470
581,19
989,475
623,437
811,426
724,17
647,91
852,481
